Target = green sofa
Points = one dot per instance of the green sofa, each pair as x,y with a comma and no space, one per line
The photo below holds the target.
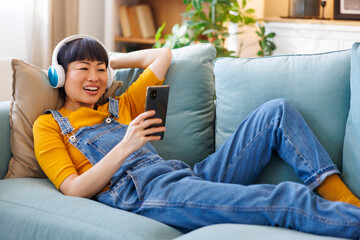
202,113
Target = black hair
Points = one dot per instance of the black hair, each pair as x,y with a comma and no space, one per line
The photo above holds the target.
81,49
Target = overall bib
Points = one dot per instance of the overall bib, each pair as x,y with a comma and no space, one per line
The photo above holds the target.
218,190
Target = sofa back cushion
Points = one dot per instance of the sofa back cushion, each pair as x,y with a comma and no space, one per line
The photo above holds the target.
317,84
351,161
5,153
190,118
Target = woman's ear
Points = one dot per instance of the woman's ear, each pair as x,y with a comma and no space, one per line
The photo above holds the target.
111,92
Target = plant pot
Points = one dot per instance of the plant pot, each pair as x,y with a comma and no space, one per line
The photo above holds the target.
305,8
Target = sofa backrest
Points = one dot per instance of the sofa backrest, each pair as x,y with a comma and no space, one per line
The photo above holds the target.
317,84
5,153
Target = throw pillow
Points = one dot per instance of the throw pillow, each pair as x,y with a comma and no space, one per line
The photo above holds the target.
32,95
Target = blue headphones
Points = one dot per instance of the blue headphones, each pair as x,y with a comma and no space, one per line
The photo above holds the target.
56,72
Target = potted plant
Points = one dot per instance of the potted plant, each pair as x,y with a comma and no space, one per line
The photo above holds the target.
208,20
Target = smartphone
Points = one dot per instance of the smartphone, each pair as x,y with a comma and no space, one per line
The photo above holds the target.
157,99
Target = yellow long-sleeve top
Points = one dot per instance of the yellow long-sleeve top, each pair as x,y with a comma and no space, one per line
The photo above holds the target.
57,157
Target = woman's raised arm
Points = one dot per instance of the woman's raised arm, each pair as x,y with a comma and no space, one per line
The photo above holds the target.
158,60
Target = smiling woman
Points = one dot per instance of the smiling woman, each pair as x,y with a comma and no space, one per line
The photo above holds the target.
85,84
85,63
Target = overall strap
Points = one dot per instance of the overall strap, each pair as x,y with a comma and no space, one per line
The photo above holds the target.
114,107
63,122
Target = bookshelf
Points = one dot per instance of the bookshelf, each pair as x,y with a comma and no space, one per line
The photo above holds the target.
163,11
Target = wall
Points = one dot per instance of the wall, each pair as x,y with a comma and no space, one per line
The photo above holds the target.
12,42
92,18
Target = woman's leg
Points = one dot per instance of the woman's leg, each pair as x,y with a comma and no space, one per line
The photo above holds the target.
188,202
274,126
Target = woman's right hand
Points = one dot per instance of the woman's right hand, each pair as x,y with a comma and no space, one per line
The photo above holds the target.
139,133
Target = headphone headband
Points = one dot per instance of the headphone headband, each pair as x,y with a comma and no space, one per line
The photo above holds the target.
56,72
69,39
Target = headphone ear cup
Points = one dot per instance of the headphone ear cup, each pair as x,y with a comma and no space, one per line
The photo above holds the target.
110,74
56,75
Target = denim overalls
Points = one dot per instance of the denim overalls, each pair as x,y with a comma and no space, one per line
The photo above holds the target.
218,190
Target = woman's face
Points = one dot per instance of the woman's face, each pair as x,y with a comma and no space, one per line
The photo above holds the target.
85,83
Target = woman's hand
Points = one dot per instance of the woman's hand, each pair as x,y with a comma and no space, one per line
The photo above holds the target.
139,133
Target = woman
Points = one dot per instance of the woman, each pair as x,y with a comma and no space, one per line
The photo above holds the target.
89,151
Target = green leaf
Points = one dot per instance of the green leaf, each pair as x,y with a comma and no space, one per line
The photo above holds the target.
189,7
270,35
208,31
259,34
250,10
243,3
262,28
249,20
187,1
202,15
272,46
197,4
159,32
263,44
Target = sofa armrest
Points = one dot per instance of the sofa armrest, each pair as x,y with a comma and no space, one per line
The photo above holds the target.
5,151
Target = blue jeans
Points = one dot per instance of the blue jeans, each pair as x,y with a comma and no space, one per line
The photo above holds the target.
218,190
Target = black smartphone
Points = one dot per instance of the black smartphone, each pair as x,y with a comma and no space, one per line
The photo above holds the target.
157,99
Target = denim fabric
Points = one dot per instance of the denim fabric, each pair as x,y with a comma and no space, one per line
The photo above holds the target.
218,189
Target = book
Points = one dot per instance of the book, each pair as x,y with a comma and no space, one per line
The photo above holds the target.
134,23
124,21
146,20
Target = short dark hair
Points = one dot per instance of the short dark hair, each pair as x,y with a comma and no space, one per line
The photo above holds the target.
81,49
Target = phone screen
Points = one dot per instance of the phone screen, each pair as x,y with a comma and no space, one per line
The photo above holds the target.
157,99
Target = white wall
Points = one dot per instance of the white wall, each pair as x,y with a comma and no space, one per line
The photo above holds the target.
5,79
92,18
12,42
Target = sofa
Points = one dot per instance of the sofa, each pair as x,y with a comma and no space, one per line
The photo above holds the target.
208,99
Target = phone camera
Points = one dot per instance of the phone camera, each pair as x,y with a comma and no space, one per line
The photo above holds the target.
153,94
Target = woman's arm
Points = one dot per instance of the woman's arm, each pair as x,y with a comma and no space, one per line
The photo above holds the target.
158,60
95,179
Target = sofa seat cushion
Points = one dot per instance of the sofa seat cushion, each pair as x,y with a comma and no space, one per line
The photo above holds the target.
34,209
317,84
248,232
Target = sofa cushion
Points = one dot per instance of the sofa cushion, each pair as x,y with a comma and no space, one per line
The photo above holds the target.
248,232
189,132
32,95
317,84
351,160
44,213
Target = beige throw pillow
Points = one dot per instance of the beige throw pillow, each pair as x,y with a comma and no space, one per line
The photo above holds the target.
32,95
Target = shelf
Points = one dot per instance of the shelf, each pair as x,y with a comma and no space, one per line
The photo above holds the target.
137,40
313,21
